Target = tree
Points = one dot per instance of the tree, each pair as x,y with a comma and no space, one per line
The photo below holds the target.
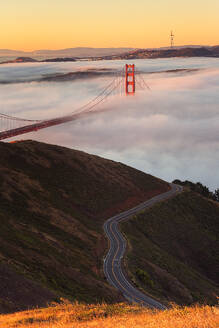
216,195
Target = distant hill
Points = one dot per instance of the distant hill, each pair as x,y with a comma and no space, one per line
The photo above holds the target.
168,53
71,55
53,204
82,51
20,60
32,60
70,52
9,52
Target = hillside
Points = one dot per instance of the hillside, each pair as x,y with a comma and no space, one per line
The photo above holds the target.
173,249
53,202
112,316
109,54
167,53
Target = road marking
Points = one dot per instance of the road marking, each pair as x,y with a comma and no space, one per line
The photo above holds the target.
175,189
124,289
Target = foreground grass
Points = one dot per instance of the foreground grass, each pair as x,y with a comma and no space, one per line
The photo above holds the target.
117,315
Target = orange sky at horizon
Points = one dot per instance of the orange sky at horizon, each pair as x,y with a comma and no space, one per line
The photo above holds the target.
55,24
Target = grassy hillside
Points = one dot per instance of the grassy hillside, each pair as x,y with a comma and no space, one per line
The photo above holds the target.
53,202
173,249
116,316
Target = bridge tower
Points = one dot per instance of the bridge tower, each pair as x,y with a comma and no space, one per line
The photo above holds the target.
130,79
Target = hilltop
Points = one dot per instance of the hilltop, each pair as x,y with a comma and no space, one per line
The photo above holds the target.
168,53
53,204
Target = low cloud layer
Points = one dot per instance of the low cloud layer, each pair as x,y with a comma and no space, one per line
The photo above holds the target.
170,132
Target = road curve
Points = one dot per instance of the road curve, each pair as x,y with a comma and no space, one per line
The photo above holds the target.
113,260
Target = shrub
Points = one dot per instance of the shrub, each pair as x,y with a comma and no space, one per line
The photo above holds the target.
144,277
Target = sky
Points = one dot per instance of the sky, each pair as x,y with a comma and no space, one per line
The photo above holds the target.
55,24
170,132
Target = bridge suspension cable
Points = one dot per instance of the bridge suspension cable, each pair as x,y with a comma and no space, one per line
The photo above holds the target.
17,118
11,126
141,81
113,85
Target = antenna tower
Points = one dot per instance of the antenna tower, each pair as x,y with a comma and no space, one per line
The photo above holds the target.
171,39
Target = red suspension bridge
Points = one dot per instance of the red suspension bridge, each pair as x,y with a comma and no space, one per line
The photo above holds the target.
124,81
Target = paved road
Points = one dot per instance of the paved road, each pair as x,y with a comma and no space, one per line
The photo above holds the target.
113,261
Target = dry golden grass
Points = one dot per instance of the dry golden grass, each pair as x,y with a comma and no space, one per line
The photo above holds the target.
116,316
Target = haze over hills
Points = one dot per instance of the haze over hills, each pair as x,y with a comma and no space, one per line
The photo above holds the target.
81,51
70,52
74,54
53,204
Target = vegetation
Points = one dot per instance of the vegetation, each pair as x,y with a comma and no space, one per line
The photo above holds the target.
175,242
200,189
53,202
144,277
116,316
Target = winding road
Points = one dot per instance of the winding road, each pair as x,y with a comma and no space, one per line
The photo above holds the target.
113,261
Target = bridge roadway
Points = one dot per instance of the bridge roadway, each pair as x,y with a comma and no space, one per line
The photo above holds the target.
42,124
113,262
39,125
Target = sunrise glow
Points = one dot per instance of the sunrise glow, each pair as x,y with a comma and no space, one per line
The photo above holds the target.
54,24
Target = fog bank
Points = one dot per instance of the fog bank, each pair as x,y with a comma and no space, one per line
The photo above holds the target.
171,132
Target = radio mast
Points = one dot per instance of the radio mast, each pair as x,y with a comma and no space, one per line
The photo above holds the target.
171,39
